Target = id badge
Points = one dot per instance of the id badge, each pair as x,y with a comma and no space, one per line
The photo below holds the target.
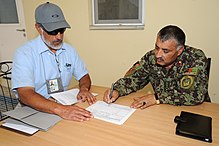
54,85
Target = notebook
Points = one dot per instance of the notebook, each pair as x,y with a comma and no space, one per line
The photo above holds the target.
194,126
32,118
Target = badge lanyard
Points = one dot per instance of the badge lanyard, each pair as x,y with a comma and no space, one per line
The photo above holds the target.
53,85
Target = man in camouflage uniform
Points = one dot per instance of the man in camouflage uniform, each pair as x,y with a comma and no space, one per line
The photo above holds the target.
176,72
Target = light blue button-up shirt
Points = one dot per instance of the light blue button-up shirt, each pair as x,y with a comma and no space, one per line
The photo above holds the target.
34,63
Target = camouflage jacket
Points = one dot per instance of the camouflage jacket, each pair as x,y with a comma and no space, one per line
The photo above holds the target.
186,83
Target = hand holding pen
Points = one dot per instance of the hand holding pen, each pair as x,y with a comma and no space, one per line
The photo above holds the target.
110,95
111,91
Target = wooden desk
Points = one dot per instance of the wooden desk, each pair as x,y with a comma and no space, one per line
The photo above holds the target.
153,126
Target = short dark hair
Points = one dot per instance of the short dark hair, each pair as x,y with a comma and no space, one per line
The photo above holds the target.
172,32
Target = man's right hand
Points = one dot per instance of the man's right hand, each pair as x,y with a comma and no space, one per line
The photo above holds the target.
114,97
29,97
74,113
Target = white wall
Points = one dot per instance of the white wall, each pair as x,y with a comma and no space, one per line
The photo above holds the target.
109,53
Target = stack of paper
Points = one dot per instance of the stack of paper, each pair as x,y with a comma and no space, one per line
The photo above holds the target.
20,126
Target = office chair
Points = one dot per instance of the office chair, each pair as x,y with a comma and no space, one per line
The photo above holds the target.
7,99
207,97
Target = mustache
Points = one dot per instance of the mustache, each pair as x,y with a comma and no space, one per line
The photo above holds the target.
159,59
58,41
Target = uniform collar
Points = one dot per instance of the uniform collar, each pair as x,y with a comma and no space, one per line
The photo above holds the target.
179,60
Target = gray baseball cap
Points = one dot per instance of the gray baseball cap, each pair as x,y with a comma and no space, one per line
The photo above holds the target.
50,16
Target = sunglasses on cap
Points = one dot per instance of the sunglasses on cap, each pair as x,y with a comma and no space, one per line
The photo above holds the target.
54,32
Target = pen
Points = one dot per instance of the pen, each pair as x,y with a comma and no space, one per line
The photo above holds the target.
111,91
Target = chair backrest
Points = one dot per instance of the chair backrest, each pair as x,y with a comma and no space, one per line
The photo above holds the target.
208,66
207,97
7,98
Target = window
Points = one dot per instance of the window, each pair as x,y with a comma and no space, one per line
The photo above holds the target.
8,12
117,14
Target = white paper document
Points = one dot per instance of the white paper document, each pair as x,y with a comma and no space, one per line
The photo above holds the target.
68,97
113,113
20,126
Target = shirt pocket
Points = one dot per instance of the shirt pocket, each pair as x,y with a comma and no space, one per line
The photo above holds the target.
66,75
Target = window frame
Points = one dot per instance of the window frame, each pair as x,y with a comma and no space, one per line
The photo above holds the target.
118,24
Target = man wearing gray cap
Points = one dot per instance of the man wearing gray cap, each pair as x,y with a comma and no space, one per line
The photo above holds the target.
46,65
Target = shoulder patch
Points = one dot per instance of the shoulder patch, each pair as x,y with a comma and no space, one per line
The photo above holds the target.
133,69
187,82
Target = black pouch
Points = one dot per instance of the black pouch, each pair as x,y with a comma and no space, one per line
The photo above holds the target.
194,126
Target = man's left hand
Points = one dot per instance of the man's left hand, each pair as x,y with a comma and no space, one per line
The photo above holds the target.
144,101
84,95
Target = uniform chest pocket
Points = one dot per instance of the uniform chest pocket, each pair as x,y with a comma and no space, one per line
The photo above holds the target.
170,84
